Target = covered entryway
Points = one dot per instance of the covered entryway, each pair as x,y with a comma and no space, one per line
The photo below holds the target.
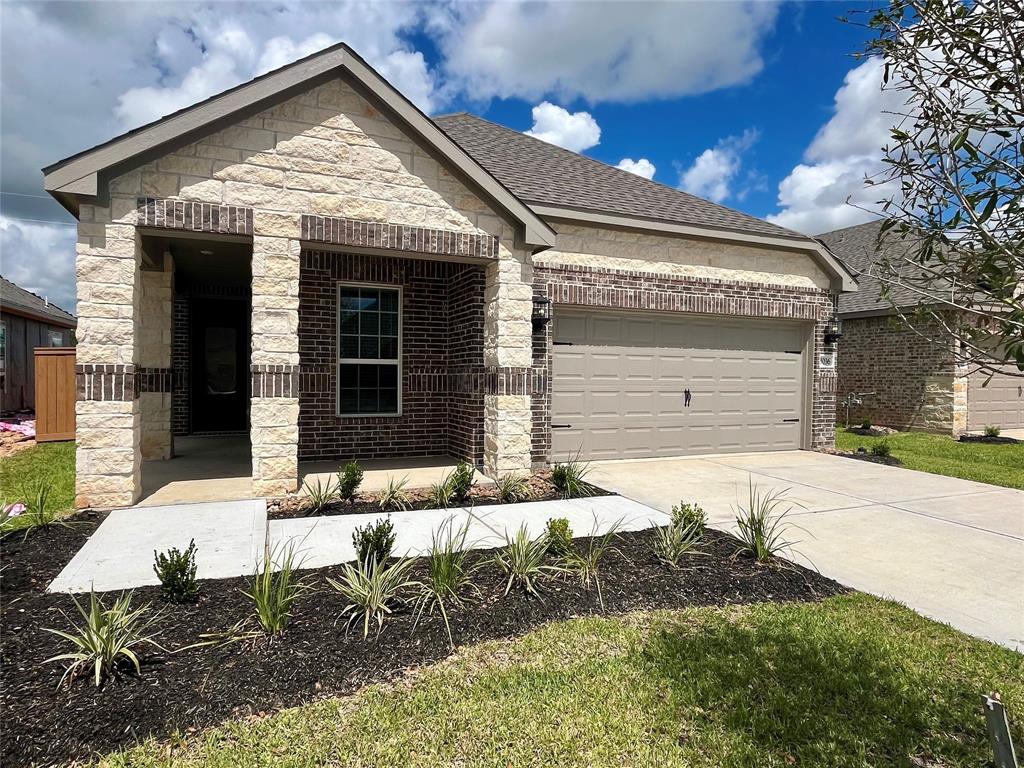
640,384
995,400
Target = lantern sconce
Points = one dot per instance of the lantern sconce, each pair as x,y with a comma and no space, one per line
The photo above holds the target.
541,312
833,330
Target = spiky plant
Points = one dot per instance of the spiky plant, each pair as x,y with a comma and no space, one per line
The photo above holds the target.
394,497
275,587
762,523
569,478
674,540
522,560
319,495
442,494
512,488
371,590
584,562
449,573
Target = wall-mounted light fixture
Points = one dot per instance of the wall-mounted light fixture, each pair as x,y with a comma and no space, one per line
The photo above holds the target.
541,312
833,330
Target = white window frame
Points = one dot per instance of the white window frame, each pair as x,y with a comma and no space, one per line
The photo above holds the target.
339,360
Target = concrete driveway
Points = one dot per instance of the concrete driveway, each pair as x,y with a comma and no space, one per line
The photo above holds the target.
950,549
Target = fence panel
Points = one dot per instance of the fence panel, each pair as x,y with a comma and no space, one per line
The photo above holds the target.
55,393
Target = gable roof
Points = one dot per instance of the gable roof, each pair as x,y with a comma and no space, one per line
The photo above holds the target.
18,301
542,173
860,249
78,176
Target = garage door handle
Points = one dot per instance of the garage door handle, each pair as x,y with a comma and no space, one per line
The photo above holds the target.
561,426
789,421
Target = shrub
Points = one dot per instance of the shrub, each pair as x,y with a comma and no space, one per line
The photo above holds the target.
448,572
522,560
865,424
569,478
371,589
881,449
585,563
442,494
762,524
559,536
394,497
461,480
274,588
991,430
512,488
674,540
374,541
349,480
690,514
177,573
319,496
106,637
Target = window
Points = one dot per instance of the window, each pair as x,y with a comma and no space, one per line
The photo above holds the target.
369,350
56,338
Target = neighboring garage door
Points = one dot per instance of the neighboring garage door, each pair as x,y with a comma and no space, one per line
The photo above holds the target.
619,381
1000,402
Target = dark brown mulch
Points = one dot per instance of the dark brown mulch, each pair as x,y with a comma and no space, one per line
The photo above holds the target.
998,440
539,482
315,658
872,431
889,461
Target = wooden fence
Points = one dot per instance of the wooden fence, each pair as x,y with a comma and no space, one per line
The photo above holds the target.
55,393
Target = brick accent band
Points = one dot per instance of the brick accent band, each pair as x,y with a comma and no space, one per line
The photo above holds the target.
106,382
275,381
490,381
599,287
194,217
155,380
397,237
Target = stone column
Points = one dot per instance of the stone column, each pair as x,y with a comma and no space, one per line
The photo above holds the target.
508,351
274,414
156,310
108,469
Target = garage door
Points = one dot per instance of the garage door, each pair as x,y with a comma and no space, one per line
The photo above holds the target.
619,383
999,402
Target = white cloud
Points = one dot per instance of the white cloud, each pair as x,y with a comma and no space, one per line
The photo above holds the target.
642,167
575,131
712,173
813,197
607,52
408,72
39,257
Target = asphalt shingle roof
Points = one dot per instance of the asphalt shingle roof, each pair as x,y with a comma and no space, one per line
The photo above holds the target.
543,174
15,297
859,249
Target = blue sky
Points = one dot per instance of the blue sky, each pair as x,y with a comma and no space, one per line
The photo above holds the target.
756,104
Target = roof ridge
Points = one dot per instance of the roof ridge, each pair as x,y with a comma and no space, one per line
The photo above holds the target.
851,226
43,299
632,176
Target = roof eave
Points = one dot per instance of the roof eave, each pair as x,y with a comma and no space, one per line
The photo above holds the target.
842,281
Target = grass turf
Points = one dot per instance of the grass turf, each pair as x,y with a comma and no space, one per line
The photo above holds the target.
53,463
851,681
941,455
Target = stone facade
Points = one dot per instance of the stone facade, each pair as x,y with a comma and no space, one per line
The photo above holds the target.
916,382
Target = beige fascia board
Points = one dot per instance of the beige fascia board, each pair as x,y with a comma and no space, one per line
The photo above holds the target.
79,175
842,280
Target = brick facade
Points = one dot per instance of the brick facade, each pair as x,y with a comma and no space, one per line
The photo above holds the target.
915,381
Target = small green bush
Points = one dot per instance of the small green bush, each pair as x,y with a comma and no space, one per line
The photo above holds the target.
881,449
866,424
559,536
569,478
349,480
689,514
992,430
461,481
512,488
177,573
374,541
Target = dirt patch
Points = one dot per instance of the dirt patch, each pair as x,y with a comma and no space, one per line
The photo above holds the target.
14,442
998,440
315,657
539,484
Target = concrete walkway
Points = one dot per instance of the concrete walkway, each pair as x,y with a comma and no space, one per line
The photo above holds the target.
231,536
951,549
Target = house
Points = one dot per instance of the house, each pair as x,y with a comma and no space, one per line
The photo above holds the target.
27,321
913,377
309,261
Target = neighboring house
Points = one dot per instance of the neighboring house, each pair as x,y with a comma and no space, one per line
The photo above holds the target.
913,374
27,321
309,259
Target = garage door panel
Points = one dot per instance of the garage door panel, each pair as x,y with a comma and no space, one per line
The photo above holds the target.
997,400
625,400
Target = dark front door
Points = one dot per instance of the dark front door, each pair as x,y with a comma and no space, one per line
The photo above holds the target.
220,367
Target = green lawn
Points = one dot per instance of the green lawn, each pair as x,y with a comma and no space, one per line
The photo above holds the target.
852,681
52,463
941,455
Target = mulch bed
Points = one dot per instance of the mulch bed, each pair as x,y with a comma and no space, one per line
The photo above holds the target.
889,461
539,483
999,440
872,431
315,658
